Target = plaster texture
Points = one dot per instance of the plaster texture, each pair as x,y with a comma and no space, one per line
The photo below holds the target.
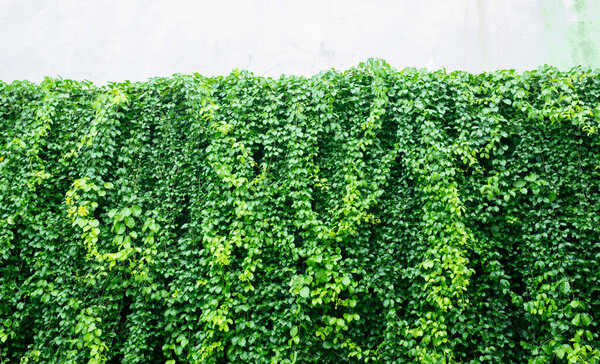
104,40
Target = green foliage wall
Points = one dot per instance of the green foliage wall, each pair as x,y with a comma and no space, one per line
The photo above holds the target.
365,215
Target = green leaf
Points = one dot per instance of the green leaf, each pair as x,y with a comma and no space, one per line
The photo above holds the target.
129,222
120,228
118,239
136,210
305,292
566,288
585,319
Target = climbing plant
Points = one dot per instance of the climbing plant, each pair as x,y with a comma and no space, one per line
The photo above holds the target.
367,215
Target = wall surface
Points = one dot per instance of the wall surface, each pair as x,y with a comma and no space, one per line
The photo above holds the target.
104,40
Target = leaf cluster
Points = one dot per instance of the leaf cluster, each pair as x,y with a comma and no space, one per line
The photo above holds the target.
366,215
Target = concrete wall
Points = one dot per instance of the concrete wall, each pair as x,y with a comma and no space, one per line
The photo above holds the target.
104,40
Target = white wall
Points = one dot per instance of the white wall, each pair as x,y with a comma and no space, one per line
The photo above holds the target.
104,40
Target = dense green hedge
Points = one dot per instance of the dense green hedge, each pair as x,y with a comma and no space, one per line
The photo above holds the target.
366,215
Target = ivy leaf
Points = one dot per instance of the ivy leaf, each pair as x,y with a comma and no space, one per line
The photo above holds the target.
576,319
120,229
305,292
585,319
566,288
136,210
129,221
